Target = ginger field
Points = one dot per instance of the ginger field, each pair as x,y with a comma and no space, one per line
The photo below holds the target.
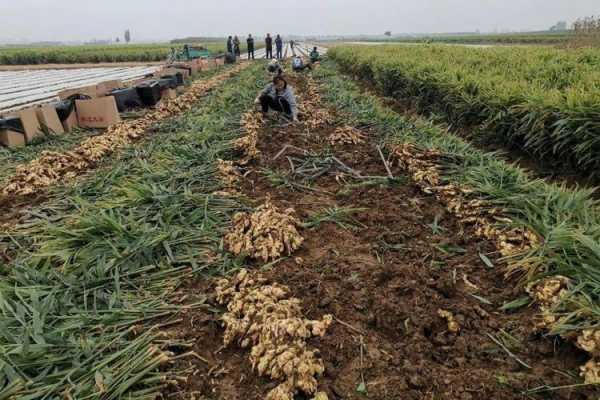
532,38
12,55
207,251
542,101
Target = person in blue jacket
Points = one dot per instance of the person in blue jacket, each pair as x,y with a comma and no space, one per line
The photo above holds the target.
279,47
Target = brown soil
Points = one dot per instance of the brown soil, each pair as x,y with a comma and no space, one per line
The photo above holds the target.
385,282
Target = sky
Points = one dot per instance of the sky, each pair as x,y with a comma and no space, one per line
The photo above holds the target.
81,20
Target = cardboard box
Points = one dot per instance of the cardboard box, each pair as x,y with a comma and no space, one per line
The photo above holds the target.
160,72
97,113
207,64
10,138
169,94
91,91
167,71
172,71
71,123
49,120
31,124
103,88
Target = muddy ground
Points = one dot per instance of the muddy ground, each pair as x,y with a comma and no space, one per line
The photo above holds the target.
384,277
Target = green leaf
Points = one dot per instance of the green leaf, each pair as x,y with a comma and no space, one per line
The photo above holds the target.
518,303
488,263
482,299
362,388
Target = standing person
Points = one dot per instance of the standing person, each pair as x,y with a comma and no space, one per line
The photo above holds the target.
292,43
250,43
236,46
229,45
278,96
269,46
279,47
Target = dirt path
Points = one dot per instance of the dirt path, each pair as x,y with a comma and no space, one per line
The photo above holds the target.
387,275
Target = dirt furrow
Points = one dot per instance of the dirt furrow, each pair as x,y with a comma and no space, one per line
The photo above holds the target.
414,293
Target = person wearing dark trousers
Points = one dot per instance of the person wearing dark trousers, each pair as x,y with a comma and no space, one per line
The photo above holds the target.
236,46
279,96
250,43
279,47
269,46
229,45
298,64
292,44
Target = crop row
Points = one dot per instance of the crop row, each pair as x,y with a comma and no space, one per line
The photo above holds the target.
565,221
94,274
544,101
546,38
90,54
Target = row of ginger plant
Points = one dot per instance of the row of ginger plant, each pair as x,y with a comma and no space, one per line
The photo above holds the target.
548,235
94,272
542,101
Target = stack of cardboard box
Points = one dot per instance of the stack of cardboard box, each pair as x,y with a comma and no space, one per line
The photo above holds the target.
93,108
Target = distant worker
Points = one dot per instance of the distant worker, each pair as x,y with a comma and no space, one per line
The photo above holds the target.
314,55
278,96
236,46
298,64
269,46
173,55
229,44
274,68
279,47
250,44
292,44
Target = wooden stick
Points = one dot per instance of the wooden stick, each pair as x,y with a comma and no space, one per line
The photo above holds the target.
289,146
291,165
347,325
347,168
385,163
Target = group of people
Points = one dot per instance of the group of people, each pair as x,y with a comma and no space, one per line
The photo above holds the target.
278,46
233,46
278,96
